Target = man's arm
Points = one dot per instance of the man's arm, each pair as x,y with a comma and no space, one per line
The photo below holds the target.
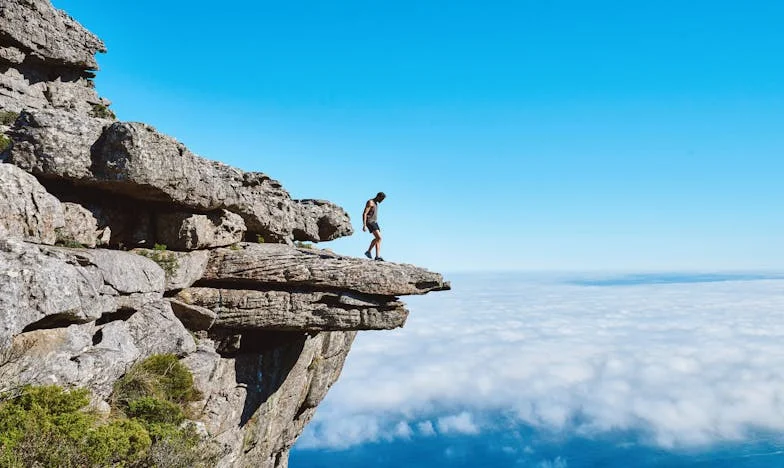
368,206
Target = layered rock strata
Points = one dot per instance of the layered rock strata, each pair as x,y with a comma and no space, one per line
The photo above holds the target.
264,327
134,161
46,59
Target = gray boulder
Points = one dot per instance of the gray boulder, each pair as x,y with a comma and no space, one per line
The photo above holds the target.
182,269
80,227
28,86
46,287
77,95
190,268
55,144
156,330
11,55
123,272
44,291
320,220
18,92
47,57
194,317
186,231
48,34
28,211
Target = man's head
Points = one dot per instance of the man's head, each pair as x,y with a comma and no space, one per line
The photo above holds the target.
380,197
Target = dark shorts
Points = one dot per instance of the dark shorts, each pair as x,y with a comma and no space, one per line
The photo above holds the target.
373,227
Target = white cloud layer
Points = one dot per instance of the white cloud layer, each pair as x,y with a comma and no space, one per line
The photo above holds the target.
462,423
688,364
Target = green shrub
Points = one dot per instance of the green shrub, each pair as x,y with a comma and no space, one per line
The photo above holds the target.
120,440
39,448
65,240
5,142
50,426
8,117
259,239
154,392
154,410
47,408
163,431
47,426
160,376
181,449
303,245
165,259
103,112
54,400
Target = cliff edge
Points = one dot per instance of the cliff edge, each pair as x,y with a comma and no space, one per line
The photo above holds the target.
117,243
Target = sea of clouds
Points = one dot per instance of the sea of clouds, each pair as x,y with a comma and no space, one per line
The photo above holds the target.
685,361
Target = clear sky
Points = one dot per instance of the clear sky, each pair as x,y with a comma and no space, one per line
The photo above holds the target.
532,135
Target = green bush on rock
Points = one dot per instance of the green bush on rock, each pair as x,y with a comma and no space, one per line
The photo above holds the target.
48,426
51,426
103,112
5,142
8,117
123,439
165,259
160,376
155,411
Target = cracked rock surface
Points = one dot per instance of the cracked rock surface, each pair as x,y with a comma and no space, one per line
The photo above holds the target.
270,264
43,287
237,309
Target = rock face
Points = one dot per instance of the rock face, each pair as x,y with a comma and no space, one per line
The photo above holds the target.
269,264
96,354
239,310
50,56
268,392
186,231
265,327
54,144
136,162
320,220
28,210
45,287
49,35
80,227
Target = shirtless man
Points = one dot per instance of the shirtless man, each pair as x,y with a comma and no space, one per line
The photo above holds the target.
370,223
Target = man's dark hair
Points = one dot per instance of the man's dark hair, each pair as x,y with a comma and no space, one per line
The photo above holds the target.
380,196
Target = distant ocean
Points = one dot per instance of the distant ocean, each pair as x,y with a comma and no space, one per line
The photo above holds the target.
556,371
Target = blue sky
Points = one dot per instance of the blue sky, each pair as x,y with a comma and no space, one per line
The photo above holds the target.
534,135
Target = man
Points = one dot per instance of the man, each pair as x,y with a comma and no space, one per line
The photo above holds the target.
370,223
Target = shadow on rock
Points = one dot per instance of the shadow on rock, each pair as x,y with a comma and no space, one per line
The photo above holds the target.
263,363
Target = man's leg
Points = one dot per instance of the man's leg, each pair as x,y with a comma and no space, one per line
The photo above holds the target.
372,243
377,241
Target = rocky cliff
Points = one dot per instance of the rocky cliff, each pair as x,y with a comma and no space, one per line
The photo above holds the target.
87,288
